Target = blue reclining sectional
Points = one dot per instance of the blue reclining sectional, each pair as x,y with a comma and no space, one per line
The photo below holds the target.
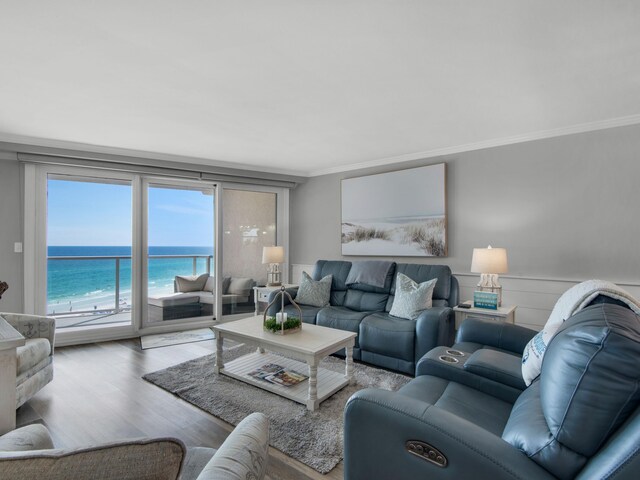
468,413
384,340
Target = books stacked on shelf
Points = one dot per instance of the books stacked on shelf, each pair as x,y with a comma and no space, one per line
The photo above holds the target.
274,373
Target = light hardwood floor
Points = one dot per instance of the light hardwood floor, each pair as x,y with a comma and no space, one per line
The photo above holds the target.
97,395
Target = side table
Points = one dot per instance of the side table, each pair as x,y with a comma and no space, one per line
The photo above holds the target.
261,296
502,314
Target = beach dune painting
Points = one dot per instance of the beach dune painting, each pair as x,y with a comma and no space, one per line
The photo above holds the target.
401,213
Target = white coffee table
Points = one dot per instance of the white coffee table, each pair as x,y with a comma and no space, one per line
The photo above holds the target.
310,345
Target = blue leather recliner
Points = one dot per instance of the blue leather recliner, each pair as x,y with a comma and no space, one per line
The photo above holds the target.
579,419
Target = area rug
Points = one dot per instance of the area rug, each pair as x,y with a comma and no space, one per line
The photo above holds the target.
313,438
175,338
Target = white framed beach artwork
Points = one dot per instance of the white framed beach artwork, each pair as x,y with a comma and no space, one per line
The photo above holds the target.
401,213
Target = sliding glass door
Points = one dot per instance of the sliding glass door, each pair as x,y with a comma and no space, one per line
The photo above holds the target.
89,244
250,221
179,252
111,254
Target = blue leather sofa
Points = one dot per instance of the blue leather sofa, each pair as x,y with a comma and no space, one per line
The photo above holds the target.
384,340
579,419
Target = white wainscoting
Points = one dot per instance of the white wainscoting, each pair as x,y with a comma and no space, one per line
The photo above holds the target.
534,297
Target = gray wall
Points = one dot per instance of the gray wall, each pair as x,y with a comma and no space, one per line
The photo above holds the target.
565,207
10,232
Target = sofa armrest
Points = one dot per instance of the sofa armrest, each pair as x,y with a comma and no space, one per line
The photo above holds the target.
504,336
32,326
435,326
160,459
379,423
244,454
31,437
293,291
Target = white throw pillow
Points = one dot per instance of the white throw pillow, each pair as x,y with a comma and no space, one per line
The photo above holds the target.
314,293
191,283
411,298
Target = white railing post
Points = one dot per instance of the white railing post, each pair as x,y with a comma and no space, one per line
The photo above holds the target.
195,262
117,284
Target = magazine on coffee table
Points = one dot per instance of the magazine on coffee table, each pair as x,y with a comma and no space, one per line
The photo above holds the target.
274,373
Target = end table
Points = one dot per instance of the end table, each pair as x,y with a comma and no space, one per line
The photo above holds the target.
261,296
502,314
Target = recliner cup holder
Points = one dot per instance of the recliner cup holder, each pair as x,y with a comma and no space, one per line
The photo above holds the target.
448,359
455,353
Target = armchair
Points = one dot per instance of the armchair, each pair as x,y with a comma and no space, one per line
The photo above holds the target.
579,419
29,453
35,357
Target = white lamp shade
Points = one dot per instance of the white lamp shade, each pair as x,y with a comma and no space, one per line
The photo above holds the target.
272,255
489,260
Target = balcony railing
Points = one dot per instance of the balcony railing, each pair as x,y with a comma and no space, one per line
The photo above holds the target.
117,308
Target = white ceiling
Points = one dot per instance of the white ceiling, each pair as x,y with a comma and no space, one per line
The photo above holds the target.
309,87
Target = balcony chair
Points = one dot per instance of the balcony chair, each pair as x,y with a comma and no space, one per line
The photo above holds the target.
35,357
28,453
580,418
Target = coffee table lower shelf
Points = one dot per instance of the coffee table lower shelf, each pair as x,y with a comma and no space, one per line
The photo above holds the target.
329,382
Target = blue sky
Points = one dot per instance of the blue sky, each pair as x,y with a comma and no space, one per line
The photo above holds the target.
99,214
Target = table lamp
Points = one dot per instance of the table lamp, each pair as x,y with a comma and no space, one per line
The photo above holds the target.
273,256
489,262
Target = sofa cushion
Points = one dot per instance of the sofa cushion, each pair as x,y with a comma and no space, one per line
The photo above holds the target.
365,301
308,313
314,292
210,285
498,366
588,387
478,408
240,286
191,283
226,281
174,299
34,351
411,298
386,335
244,454
194,462
208,297
362,278
339,270
31,437
341,318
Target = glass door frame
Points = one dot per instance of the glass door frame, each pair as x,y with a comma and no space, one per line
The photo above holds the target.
193,322
35,248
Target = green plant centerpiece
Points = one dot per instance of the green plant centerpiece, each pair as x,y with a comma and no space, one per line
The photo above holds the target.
282,323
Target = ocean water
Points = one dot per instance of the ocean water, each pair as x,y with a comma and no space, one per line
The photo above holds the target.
78,285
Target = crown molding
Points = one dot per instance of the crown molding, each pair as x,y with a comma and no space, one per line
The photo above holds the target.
37,145
498,142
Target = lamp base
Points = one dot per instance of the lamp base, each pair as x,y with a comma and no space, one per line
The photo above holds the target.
273,278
